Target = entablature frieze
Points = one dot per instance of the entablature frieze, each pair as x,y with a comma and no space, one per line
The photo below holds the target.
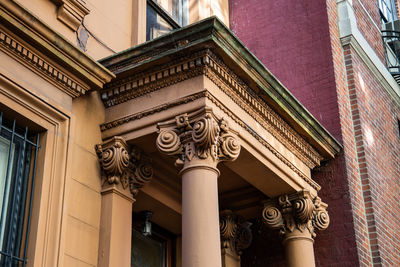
206,63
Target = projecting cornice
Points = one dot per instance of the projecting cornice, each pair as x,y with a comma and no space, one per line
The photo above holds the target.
209,48
37,46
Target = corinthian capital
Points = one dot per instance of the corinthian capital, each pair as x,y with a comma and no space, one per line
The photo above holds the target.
114,158
299,212
198,136
122,165
235,232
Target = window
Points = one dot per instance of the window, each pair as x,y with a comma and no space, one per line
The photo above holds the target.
18,150
163,16
387,10
154,249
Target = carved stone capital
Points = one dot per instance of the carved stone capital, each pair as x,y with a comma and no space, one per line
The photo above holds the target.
298,213
235,232
123,166
198,136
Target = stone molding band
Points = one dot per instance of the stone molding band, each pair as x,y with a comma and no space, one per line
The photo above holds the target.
69,85
299,215
123,166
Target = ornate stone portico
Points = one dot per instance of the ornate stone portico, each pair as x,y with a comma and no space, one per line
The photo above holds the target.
222,134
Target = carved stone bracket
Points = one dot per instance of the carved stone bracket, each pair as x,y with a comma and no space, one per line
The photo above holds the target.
235,232
198,136
123,165
71,12
298,213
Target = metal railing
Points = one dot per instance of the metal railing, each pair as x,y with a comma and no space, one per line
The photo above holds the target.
18,154
391,41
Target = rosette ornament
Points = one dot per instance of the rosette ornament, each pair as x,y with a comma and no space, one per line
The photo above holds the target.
296,212
114,158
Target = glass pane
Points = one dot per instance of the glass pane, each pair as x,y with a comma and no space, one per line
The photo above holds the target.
16,156
147,252
172,7
4,196
155,24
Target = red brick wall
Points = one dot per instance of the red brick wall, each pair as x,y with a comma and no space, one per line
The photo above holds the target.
293,39
365,23
375,117
299,42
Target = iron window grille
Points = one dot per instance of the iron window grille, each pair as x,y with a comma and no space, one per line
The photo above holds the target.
18,155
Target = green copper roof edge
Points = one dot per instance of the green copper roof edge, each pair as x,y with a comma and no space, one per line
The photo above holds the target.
235,49
282,95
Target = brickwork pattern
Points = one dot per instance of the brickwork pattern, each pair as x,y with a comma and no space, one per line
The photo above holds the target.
351,182
375,117
306,60
368,22
362,185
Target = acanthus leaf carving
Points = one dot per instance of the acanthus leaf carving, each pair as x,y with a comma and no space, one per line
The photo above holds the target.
299,211
123,165
114,158
199,135
235,232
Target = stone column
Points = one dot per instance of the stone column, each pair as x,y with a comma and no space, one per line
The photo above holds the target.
200,140
236,236
124,171
298,216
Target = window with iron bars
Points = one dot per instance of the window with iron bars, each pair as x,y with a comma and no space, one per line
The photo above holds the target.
18,153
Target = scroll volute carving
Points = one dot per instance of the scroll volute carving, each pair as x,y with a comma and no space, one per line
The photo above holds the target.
198,135
299,211
114,158
122,165
235,232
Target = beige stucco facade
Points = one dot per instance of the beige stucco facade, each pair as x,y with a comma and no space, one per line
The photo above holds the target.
218,135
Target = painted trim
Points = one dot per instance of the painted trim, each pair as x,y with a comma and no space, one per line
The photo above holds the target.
350,35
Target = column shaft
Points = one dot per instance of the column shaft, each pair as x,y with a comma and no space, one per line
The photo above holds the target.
115,229
299,250
200,221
